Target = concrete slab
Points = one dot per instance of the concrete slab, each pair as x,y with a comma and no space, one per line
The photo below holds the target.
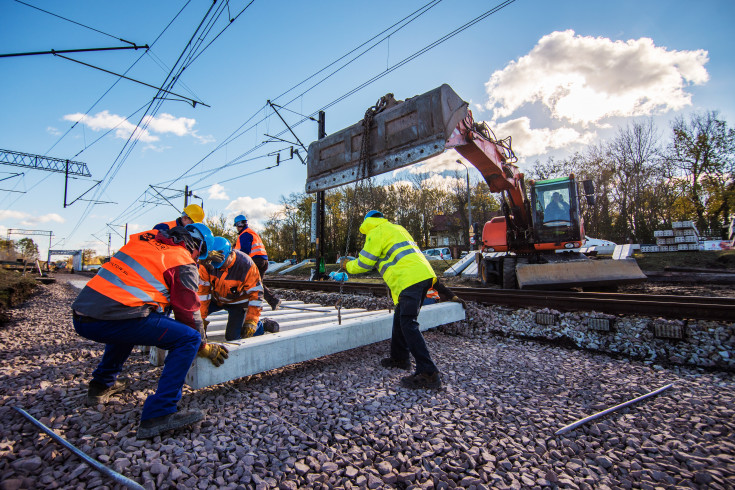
457,268
294,267
622,252
312,339
275,267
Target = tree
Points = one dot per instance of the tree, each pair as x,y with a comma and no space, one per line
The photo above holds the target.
88,255
703,150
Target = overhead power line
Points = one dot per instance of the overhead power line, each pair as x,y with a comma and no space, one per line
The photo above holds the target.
81,50
41,162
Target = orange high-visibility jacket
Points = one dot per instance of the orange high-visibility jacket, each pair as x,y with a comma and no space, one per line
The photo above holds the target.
135,275
250,243
237,282
167,225
433,294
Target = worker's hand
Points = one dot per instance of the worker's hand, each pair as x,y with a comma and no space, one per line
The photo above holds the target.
459,300
248,329
214,352
214,256
206,324
343,263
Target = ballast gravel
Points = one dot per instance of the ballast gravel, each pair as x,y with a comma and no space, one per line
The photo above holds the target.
342,421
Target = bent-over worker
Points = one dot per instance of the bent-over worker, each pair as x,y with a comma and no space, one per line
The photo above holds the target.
234,285
126,305
392,250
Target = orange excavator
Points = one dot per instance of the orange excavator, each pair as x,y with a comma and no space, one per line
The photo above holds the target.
530,245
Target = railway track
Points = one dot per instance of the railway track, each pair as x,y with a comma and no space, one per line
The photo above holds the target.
667,306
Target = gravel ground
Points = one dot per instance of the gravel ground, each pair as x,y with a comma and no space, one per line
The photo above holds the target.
342,421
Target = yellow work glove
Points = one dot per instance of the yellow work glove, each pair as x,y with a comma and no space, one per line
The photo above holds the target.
343,263
215,353
459,300
248,329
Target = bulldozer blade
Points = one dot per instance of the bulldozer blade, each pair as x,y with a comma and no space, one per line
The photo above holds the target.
406,133
579,273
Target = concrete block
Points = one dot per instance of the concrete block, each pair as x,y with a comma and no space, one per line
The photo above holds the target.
457,268
294,267
292,345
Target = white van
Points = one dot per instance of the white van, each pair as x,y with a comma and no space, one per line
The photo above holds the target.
438,253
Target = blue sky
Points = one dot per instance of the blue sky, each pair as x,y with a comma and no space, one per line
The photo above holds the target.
556,76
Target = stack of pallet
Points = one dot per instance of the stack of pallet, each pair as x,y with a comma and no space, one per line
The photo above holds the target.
682,237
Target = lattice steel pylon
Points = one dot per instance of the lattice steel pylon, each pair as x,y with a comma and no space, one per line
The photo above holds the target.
40,162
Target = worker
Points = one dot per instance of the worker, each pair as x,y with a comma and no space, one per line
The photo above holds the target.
235,286
392,250
250,243
193,213
439,292
557,209
126,304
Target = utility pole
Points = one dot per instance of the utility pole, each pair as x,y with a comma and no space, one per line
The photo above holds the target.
469,207
321,268
109,244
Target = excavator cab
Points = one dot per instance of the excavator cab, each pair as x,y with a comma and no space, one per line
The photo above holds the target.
556,216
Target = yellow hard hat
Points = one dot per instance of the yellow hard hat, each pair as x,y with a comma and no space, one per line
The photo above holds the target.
195,212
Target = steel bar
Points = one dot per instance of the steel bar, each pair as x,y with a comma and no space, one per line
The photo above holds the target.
583,421
117,477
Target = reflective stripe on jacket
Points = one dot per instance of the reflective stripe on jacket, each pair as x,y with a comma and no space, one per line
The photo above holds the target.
391,250
205,290
237,282
250,243
134,275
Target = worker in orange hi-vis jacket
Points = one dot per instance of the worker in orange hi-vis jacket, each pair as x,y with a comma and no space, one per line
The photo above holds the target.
231,281
250,243
193,213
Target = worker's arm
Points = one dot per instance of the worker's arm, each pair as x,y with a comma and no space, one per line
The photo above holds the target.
253,288
368,256
205,290
183,286
445,293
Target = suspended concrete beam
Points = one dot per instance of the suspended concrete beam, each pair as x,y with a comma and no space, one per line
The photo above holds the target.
309,337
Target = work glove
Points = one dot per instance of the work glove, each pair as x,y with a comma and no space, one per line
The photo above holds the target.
206,324
459,300
215,256
248,329
343,263
214,352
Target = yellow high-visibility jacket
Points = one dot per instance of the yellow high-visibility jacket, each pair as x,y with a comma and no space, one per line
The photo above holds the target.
391,249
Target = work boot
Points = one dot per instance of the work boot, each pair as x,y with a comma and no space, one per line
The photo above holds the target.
389,362
270,326
99,393
275,305
422,381
150,428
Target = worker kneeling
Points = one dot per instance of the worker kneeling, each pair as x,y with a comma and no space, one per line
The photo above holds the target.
126,304
230,280
392,250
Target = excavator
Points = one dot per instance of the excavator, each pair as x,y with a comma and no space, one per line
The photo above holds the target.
530,245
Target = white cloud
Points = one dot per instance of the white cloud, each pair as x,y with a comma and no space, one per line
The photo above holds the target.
53,131
217,191
27,219
584,79
439,163
528,142
437,181
163,124
256,209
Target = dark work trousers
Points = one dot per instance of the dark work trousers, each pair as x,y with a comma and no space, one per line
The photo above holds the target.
235,319
406,334
262,265
120,336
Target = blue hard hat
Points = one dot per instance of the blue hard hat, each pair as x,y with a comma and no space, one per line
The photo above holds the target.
240,219
202,235
373,214
221,244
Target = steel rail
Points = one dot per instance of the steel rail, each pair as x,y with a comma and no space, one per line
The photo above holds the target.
667,306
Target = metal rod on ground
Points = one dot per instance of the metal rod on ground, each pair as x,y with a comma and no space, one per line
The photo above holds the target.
117,477
576,424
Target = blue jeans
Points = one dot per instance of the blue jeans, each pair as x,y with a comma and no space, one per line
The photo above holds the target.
120,336
407,337
235,320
